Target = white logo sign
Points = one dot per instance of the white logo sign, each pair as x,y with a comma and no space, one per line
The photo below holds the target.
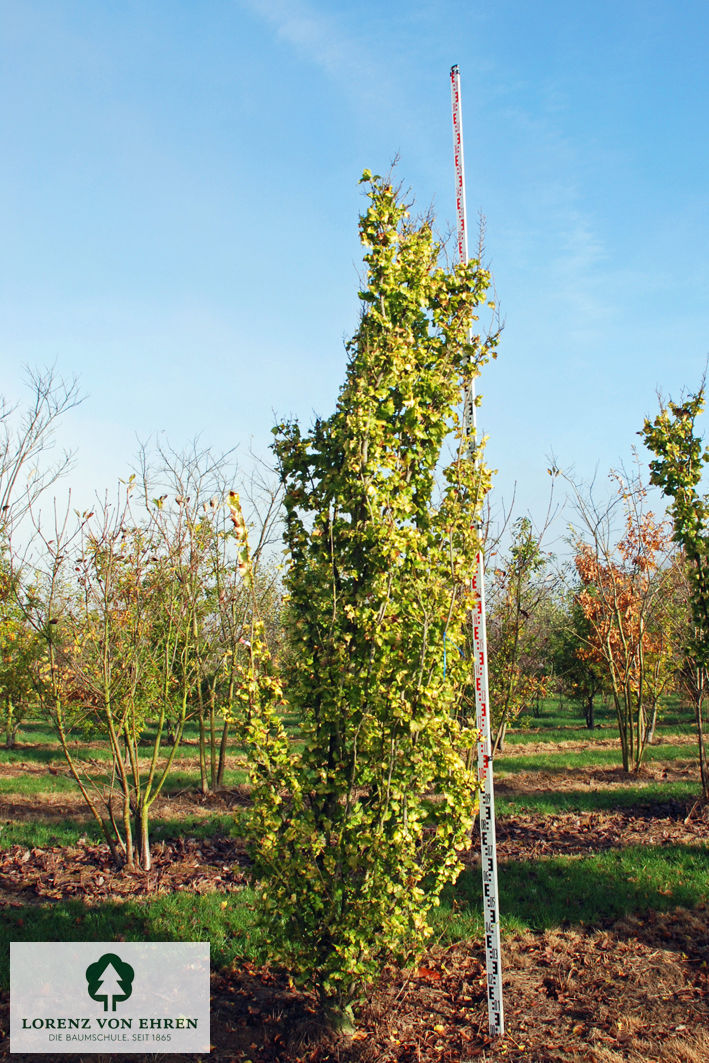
109,996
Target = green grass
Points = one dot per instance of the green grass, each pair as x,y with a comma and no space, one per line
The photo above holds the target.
224,824
56,784
36,784
549,802
563,723
571,890
187,780
35,754
580,733
43,834
179,916
37,731
558,734
556,722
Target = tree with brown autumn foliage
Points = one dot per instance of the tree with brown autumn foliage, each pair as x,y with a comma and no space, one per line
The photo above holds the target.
621,595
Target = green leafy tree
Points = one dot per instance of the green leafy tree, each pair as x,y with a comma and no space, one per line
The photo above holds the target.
379,798
680,457
20,648
580,678
517,595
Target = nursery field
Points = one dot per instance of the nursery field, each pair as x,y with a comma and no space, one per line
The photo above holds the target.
604,893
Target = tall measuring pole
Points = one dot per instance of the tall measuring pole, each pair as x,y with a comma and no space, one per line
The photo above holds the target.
488,844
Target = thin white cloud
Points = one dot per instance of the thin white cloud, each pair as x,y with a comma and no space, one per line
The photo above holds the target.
550,229
321,39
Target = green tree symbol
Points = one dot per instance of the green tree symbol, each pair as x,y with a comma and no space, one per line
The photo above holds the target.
110,980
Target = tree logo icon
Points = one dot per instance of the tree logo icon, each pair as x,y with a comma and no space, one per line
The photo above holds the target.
110,980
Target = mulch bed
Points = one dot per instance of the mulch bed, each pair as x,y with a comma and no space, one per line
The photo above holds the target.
529,837
87,871
635,991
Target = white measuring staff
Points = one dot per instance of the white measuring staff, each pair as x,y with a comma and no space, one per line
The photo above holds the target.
488,845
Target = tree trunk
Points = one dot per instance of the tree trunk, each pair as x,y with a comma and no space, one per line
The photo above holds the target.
499,744
703,765
650,732
142,831
222,755
625,729
641,730
213,771
589,712
203,781
337,1015
128,831
11,725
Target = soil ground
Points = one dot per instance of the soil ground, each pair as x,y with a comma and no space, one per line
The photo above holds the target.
636,990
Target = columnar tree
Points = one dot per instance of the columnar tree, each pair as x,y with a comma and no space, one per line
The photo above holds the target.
380,800
677,468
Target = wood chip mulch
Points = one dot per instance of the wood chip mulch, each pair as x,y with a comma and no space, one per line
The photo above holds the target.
530,837
87,871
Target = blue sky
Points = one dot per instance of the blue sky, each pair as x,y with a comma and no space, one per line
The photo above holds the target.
179,198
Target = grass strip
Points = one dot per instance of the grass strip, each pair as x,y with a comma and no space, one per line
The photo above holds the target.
189,780
43,834
33,783
550,802
228,924
49,783
585,758
578,890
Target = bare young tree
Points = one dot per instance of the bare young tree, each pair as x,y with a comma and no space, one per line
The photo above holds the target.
27,438
192,487
27,469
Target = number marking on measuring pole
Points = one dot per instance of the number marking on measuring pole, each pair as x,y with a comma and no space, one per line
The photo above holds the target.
488,844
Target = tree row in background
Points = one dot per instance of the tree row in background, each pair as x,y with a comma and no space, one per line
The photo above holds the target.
124,623
132,619
161,609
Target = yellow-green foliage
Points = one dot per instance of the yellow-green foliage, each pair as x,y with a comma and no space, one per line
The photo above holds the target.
357,831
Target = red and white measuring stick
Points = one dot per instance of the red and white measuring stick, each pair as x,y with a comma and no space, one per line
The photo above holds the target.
488,844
